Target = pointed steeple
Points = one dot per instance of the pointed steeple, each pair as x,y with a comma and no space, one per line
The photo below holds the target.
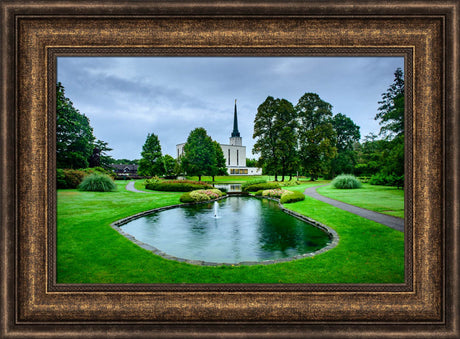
235,132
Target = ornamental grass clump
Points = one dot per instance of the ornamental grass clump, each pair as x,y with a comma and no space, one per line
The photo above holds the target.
346,181
97,182
290,196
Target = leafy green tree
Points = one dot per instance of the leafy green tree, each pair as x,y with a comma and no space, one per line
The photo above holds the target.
286,146
275,129
169,164
317,138
347,134
267,136
251,162
391,111
199,154
152,161
74,135
219,167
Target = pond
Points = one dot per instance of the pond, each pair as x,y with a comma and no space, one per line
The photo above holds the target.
244,229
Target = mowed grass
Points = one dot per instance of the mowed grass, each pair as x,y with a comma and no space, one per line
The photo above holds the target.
383,199
90,251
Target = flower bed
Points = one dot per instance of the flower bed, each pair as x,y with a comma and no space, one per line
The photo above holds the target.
201,195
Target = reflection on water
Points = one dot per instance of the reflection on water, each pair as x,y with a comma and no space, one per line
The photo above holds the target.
247,229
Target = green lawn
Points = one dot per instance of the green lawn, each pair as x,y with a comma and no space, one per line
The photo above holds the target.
383,199
90,251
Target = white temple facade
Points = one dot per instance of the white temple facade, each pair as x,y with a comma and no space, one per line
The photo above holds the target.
234,153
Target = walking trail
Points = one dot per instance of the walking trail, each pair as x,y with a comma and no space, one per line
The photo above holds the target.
130,187
387,220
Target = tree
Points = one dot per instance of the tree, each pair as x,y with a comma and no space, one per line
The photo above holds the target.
219,167
391,111
99,156
251,162
267,136
152,162
74,135
317,137
286,146
199,154
169,164
347,134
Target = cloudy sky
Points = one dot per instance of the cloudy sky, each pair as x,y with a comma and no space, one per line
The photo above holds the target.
126,98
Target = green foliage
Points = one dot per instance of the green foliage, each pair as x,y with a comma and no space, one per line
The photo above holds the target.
292,182
98,183
219,167
346,181
387,180
259,193
391,111
253,182
99,158
290,197
175,185
275,127
152,160
273,193
262,186
201,195
74,135
169,164
69,178
252,162
317,137
199,154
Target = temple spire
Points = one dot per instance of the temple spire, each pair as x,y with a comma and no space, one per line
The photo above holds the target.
235,132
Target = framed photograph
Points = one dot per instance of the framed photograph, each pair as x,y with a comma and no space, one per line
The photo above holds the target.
54,286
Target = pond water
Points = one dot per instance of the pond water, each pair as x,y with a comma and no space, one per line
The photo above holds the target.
228,187
245,229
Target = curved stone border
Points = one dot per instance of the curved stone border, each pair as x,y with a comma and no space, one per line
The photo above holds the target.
332,235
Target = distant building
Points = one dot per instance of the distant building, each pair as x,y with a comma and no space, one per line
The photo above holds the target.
124,169
234,152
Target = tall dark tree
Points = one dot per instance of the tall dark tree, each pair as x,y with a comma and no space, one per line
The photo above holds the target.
275,129
219,167
152,161
317,137
199,154
99,156
347,134
267,136
391,111
74,135
169,164
286,146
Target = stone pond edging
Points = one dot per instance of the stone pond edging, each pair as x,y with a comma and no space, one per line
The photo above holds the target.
116,225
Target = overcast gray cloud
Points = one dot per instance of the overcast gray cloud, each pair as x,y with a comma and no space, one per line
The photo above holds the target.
126,98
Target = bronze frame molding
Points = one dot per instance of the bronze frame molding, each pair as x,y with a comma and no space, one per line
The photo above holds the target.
33,35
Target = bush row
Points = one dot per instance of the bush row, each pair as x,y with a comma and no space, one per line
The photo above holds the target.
387,180
260,186
346,181
285,196
252,182
176,185
71,178
201,195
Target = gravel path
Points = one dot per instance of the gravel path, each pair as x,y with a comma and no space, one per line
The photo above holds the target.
130,187
387,220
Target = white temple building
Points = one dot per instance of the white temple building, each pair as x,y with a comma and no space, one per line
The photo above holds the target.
234,153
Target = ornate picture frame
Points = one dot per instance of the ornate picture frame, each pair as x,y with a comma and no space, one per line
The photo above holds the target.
33,36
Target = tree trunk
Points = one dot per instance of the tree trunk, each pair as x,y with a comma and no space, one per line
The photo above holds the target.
199,178
276,177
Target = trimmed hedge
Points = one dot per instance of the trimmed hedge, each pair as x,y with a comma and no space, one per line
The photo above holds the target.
261,186
201,195
176,185
346,181
287,198
252,182
97,182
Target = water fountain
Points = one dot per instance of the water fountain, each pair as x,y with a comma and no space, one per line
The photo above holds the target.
216,208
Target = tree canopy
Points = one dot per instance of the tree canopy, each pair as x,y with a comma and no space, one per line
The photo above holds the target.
151,162
199,154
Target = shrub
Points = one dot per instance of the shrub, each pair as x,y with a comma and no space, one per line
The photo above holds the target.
275,193
97,182
387,180
252,182
292,182
346,181
69,178
259,193
175,185
261,186
201,195
292,197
